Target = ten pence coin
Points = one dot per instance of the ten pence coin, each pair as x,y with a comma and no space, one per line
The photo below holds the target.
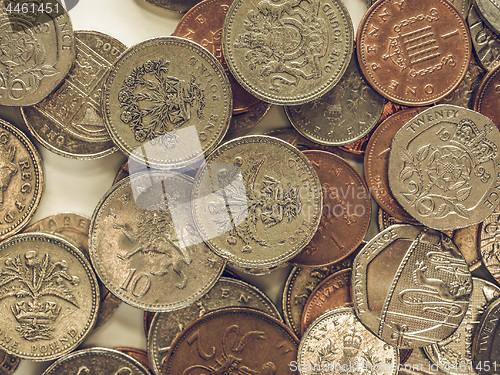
37,51
411,286
257,201
167,102
489,237
444,167
143,242
97,361
489,10
486,43
234,339
50,296
288,53
414,52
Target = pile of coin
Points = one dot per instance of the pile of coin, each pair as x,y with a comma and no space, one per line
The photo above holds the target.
198,198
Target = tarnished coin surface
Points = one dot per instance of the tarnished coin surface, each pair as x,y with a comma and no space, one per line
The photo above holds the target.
485,347
37,51
238,340
139,355
444,167
346,212
75,228
177,6
489,11
486,43
288,53
414,52
203,24
345,114
142,241
418,286
454,354
21,181
244,122
293,137
337,342
50,296
488,96
8,363
376,163
167,102
70,120
257,201
332,293
463,95
227,292
299,286
97,361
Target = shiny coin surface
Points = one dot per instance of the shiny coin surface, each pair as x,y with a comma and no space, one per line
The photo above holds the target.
462,6
345,114
489,237
167,102
332,293
444,167
414,52
97,361
486,43
37,52
454,354
376,163
142,240
415,279
488,96
50,298
288,53
177,6
489,10
203,24
75,228
257,201
485,348
339,339
139,355
299,286
293,137
21,181
70,121
463,95
346,212
8,363
235,339
165,327
244,122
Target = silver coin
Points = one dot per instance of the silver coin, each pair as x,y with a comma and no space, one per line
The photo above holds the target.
337,342
486,43
290,52
177,6
227,292
97,361
50,296
37,50
454,354
257,201
143,242
444,167
345,114
489,11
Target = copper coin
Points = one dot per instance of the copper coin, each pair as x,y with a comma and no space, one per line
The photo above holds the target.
139,355
331,293
485,345
203,24
346,212
488,96
359,147
293,137
241,124
233,341
414,52
75,229
377,161
8,363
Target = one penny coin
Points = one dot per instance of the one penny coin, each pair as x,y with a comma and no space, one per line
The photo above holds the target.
488,96
414,52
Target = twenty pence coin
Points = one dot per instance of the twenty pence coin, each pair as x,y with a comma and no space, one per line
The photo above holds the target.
485,349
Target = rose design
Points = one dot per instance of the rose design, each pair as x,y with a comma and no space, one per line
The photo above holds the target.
450,168
16,48
126,117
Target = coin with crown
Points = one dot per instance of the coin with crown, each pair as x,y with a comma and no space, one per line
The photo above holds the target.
444,167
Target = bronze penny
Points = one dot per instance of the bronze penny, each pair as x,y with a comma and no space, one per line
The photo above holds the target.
8,363
203,24
241,124
75,229
293,137
234,340
488,96
377,160
331,293
414,52
485,345
346,212
139,355
176,6
359,147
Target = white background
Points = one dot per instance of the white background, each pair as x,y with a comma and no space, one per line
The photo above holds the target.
77,186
